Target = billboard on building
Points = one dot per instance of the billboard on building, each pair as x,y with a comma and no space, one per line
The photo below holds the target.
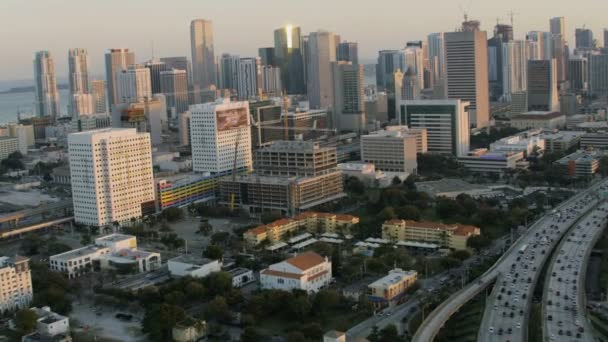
231,118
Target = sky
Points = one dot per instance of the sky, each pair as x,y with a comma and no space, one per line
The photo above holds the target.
242,26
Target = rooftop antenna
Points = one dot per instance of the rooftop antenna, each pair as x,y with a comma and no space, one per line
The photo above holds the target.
152,47
512,16
465,10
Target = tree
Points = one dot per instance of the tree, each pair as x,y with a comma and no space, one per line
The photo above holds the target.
25,321
250,335
172,241
354,185
448,208
173,214
461,254
269,217
31,244
85,239
54,248
213,252
336,261
408,212
478,242
205,228
396,180
218,310
160,319
218,283
450,262
220,238
299,306
296,336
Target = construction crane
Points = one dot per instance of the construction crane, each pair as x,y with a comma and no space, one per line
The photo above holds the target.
236,151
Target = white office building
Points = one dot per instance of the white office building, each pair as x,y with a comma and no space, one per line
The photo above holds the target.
271,80
133,85
308,272
249,78
16,290
514,68
446,123
111,172
220,133
195,267
394,149
82,104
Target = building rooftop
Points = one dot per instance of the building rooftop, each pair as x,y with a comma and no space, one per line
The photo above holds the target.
79,252
394,276
537,115
238,271
448,185
581,156
191,259
306,260
114,237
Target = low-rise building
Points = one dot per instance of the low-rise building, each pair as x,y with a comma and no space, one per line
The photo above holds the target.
308,221
394,149
50,323
482,160
595,140
334,336
16,291
583,163
8,145
61,175
195,267
452,187
526,142
308,272
181,190
241,276
390,289
115,251
539,119
189,330
561,141
454,236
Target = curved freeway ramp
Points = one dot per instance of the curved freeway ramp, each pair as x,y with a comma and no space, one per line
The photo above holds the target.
435,321
563,305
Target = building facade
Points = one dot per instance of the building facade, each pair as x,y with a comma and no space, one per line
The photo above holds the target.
393,149
203,55
322,53
174,85
308,272
116,61
111,172
181,190
452,236
16,291
47,96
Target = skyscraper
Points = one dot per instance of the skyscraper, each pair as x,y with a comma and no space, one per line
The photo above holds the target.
606,38
180,63
542,86
584,38
98,90
133,85
271,80
349,96
155,66
220,134
389,61
78,68
514,68
230,71
558,26
578,73
436,58
203,56
81,104
348,52
267,56
322,54
111,176
467,72
249,78
116,61
174,85
543,44
502,34
47,97
598,75
289,56
414,62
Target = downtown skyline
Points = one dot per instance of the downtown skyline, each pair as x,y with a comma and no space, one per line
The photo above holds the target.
242,27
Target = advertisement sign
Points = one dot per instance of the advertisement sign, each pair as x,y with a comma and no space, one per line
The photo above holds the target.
231,118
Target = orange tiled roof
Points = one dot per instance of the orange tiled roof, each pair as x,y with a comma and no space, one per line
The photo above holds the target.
306,260
465,230
257,230
343,217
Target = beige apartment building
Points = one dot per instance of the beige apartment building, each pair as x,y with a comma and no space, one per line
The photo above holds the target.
454,236
310,221
16,290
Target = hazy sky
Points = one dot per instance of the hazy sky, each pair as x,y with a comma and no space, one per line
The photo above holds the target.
241,26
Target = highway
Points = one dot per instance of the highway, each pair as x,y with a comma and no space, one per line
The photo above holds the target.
569,212
563,304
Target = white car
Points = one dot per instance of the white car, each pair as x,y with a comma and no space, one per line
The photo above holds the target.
491,330
518,325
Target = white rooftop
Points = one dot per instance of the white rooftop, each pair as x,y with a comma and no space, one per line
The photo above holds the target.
394,277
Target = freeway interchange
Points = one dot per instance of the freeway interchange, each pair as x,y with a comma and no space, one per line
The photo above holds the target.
517,272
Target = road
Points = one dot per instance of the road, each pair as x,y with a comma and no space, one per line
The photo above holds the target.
443,312
564,300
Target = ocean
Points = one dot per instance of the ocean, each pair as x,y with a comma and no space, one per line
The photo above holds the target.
11,103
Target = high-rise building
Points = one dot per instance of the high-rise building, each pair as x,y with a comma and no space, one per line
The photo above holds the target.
98,90
393,149
220,137
349,96
16,291
414,62
578,73
155,66
446,123
288,54
180,63
78,68
584,38
322,54
502,34
47,96
267,56
514,68
348,52
558,26
148,116
542,47
133,85
295,159
82,104
111,175
174,85
406,87
436,58
606,38
389,61
271,80
203,56
598,75
230,71
249,78
542,86
116,61
467,73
